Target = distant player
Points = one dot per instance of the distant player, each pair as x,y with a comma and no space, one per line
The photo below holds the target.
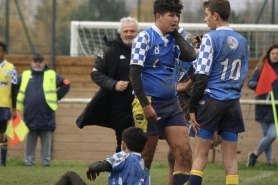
221,69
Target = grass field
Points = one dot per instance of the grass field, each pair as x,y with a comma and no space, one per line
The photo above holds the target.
16,173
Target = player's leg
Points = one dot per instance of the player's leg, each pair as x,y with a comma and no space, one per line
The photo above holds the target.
171,163
229,154
70,178
149,150
202,145
30,149
121,122
46,146
3,142
181,151
231,124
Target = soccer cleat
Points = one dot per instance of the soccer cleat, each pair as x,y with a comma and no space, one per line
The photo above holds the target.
252,159
271,165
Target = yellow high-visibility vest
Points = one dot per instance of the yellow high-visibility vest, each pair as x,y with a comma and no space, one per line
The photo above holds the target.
49,88
6,73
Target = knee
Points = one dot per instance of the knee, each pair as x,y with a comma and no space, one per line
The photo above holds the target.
171,158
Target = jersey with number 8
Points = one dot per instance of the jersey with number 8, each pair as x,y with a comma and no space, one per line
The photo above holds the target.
223,58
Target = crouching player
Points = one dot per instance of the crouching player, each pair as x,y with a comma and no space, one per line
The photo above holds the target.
125,167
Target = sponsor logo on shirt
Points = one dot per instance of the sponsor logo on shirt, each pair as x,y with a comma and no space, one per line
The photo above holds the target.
4,83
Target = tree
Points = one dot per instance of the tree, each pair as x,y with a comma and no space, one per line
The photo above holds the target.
102,10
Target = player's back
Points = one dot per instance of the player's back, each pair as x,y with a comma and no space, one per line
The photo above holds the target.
128,169
229,66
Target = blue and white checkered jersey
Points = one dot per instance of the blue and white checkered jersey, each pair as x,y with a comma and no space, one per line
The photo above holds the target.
128,169
183,68
157,54
14,74
223,57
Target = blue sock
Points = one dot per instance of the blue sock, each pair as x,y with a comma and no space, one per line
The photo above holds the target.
180,178
196,177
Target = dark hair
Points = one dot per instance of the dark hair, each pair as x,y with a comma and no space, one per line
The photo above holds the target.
266,57
3,46
135,139
164,6
222,7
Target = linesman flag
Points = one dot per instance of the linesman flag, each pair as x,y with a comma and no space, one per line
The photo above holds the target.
267,77
17,130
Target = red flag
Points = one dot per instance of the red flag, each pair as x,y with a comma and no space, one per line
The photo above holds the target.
16,130
267,77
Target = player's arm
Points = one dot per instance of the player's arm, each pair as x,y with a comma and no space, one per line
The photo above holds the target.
187,52
200,78
100,70
96,167
14,90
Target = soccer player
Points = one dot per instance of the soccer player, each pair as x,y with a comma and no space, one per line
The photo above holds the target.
155,108
221,69
125,167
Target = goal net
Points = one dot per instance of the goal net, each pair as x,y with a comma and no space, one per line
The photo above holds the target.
87,37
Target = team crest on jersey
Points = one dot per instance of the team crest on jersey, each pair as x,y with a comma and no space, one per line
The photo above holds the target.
6,72
232,42
100,54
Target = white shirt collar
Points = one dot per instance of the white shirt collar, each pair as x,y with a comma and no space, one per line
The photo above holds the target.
155,28
3,63
224,28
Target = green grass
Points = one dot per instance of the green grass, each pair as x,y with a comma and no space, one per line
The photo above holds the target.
16,173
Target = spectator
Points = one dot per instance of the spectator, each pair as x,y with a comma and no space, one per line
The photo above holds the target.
112,104
125,167
264,113
8,92
38,95
156,109
221,69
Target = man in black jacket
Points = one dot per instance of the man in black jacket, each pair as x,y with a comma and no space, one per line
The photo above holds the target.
111,73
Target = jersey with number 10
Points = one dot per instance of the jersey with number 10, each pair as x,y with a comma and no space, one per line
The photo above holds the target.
223,58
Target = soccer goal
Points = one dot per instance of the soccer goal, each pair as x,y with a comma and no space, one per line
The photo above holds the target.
87,37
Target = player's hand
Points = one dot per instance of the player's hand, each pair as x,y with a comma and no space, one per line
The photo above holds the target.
91,175
121,85
13,113
195,124
184,86
196,40
150,113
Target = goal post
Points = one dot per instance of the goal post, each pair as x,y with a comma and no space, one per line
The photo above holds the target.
87,36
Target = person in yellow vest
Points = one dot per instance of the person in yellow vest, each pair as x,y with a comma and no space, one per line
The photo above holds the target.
39,90
8,92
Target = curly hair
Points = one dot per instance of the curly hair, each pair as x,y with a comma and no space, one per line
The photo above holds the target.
266,57
164,6
222,7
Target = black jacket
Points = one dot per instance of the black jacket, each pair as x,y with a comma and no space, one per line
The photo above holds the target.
264,113
112,65
37,114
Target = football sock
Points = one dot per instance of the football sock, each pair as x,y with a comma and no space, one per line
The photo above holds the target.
180,178
232,180
196,177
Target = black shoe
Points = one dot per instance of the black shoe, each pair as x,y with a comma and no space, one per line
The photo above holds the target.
252,159
4,165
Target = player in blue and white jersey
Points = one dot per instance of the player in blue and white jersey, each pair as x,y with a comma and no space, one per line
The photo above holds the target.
221,69
126,167
155,108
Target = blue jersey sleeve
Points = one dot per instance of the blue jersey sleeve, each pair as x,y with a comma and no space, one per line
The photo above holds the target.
117,161
205,57
140,47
